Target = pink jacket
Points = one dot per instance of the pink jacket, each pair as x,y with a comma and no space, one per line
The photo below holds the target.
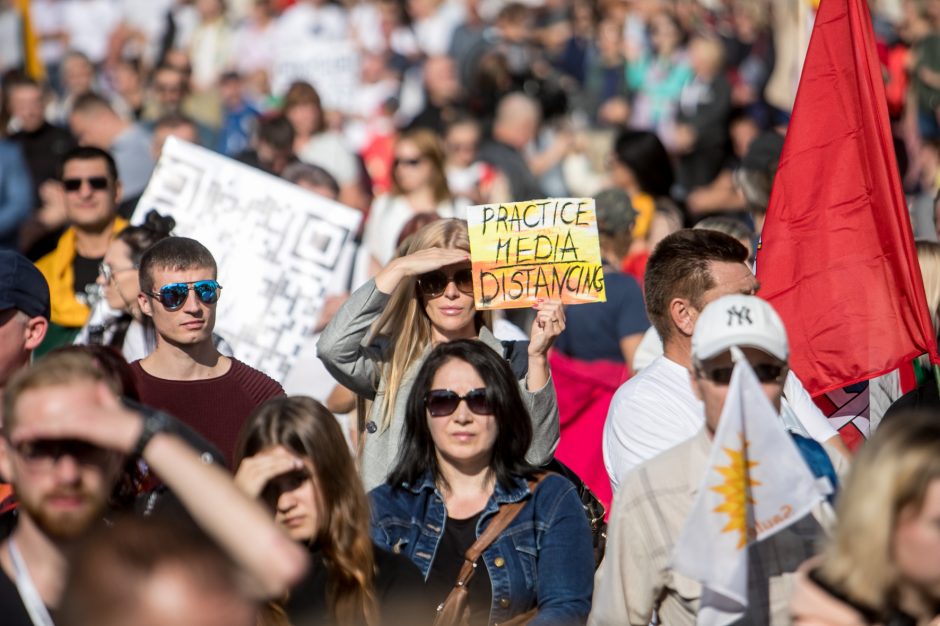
584,390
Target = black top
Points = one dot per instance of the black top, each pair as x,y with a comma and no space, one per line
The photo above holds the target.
924,398
43,150
12,610
86,273
893,617
459,535
398,589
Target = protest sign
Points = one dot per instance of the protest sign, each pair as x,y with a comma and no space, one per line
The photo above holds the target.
539,249
332,67
278,247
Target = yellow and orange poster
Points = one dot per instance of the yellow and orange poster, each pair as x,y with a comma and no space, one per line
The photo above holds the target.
535,250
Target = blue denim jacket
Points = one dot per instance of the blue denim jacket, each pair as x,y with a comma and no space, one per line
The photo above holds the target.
544,557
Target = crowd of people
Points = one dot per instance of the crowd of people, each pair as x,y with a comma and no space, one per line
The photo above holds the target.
448,465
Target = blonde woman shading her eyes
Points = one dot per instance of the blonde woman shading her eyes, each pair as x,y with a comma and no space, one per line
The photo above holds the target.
380,337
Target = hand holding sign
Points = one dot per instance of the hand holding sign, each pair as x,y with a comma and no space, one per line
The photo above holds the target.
547,325
535,250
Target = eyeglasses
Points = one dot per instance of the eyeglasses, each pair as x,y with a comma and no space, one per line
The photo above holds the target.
108,272
98,183
173,296
433,284
766,373
47,452
443,402
409,162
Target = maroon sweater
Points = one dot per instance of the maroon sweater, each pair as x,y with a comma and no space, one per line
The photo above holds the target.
216,408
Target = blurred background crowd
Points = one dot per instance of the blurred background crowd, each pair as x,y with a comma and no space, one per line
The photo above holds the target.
424,106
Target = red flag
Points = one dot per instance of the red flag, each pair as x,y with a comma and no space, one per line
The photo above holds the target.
837,256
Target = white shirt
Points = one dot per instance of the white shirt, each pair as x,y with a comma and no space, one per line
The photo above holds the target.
389,215
89,24
657,410
304,22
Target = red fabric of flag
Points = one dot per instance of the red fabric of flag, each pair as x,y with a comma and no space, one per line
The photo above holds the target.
837,256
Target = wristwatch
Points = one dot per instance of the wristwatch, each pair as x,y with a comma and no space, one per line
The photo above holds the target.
154,422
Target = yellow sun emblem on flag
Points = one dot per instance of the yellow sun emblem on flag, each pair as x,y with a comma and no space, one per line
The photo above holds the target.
736,491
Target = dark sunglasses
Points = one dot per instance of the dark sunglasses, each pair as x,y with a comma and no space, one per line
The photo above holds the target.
98,183
173,296
766,373
409,162
443,402
49,451
435,283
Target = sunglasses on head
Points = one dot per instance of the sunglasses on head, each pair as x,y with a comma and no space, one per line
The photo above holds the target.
173,296
98,183
49,451
435,283
766,373
443,402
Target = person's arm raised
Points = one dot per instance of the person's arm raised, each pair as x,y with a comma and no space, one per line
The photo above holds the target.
341,348
240,525
416,264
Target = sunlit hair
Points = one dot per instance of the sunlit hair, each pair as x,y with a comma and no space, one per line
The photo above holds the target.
309,430
115,571
890,475
405,322
56,369
177,254
679,267
429,145
928,257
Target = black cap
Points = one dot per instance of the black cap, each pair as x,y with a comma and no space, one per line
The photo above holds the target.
22,285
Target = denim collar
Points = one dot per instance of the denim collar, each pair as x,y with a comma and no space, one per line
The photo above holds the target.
519,488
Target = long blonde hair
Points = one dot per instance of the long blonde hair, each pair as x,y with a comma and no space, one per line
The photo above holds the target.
405,322
892,472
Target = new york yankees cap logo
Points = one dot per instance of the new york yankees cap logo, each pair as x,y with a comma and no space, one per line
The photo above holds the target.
739,320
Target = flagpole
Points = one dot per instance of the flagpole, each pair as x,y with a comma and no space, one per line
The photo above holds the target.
936,375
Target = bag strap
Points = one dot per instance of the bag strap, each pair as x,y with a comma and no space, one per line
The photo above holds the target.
507,513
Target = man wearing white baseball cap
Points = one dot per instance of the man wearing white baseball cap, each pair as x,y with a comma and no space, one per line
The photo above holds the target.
636,579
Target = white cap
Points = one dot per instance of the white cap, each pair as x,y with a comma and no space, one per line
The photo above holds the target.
742,321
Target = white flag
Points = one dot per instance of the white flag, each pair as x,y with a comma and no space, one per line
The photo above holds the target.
756,484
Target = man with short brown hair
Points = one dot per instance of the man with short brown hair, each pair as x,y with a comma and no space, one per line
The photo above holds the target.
656,410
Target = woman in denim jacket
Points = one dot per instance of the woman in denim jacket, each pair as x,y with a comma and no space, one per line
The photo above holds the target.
465,436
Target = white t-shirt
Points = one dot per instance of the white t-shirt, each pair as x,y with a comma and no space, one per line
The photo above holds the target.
657,410
329,151
89,24
388,216
304,22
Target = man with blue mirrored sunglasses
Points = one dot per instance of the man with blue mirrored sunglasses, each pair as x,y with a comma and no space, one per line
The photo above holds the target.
186,375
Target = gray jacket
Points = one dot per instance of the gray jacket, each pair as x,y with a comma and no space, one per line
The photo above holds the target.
358,366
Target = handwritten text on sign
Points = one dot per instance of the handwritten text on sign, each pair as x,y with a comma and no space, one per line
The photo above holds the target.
538,249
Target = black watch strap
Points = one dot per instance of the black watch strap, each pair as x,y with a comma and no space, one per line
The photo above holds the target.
154,422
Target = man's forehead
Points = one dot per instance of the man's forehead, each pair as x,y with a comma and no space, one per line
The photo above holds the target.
733,277
40,402
84,166
166,275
